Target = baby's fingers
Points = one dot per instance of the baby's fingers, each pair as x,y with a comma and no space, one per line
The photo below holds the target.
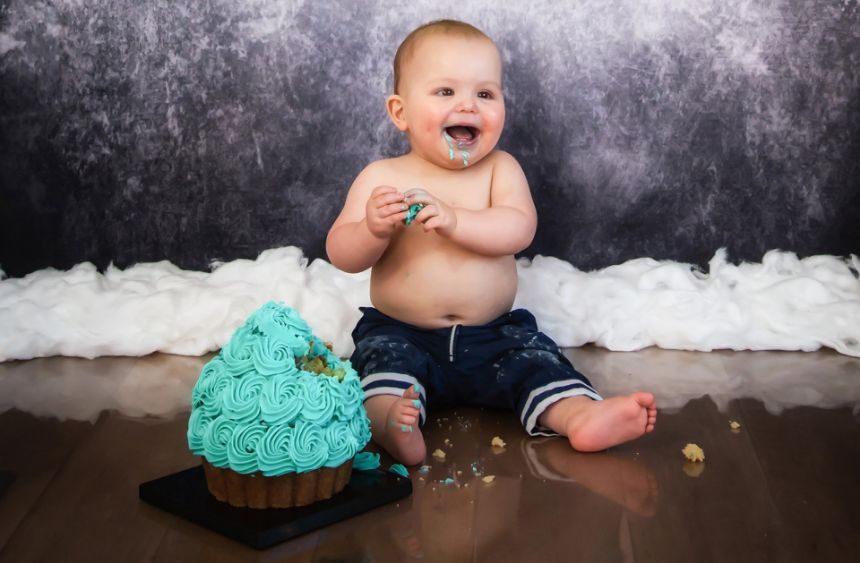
393,209
417,195
388,198
382,190
426,216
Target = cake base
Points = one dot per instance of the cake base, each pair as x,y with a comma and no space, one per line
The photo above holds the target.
284,491
185,494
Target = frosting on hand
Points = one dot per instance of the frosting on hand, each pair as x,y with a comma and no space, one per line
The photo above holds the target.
412,212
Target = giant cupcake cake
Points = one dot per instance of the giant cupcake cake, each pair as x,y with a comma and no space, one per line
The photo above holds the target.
276,416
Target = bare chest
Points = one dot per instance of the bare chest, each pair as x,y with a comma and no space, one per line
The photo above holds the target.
469,189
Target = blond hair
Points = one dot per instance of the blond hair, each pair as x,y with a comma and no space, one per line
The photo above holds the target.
450,27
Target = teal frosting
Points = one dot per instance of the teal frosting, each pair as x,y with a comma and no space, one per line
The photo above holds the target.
241,400
197,425
399,469
206,394
242,447
281,400
318,348
360,429
253,409
215,440
273,451
366,461
283,324
341,442
412,212
308,447
318,398
351,398
272,357
238,354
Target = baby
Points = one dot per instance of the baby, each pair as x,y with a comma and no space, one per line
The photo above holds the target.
441,331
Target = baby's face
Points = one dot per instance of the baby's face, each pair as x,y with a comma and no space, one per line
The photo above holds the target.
452,95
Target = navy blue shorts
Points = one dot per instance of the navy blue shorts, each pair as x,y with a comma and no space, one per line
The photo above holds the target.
506,363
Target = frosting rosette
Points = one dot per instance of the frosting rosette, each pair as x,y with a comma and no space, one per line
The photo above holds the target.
273,451
276,400
360,426
308,448
350,399
341,442
272,356
319,397
206,394
366,461
238,354
242,447
197,425
241,400
281,400
215,441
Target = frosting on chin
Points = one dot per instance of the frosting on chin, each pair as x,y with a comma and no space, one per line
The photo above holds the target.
258,407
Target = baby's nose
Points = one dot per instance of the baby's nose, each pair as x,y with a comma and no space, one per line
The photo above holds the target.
466,104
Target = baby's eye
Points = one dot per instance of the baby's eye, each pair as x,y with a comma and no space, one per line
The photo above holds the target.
444,92
486,94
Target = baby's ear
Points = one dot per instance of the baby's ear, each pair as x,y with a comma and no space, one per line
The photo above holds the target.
396,111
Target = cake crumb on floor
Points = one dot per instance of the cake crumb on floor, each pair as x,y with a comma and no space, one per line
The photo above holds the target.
693,452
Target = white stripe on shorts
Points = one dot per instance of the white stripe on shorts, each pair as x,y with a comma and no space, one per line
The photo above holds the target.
530,424
388,376
391,390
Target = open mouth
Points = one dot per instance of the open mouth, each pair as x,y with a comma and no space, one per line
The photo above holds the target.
462,134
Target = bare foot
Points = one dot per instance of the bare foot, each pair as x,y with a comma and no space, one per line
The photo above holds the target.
394,424
592,426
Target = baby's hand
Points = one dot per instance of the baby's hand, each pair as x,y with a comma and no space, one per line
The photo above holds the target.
436,214
385,211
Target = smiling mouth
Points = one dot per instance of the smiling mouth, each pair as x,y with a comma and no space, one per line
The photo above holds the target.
462,134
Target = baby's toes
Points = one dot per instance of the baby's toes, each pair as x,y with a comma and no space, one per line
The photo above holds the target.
407,419
411,393
408,409
403,421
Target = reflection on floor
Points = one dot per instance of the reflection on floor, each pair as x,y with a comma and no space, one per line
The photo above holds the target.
78,436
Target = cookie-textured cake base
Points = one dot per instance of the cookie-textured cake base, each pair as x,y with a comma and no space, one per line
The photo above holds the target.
293,489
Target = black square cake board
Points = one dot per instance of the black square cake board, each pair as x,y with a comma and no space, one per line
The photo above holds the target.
185,494
6,478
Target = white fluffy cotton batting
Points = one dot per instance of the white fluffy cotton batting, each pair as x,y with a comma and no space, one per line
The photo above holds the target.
783,303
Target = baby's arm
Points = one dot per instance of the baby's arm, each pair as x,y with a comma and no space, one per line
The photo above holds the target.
505,228
371,215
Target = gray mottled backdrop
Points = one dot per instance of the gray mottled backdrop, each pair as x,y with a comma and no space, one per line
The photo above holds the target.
191,130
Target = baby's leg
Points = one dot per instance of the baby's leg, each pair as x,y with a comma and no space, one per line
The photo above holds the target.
592,426
394,424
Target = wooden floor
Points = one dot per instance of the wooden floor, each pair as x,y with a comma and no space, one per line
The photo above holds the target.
784,487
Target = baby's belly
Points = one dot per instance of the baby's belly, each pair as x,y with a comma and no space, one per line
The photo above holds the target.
438,291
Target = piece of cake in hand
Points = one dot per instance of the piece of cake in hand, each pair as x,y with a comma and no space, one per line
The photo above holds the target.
276,416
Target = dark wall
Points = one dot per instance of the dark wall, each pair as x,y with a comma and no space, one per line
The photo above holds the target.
188,130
